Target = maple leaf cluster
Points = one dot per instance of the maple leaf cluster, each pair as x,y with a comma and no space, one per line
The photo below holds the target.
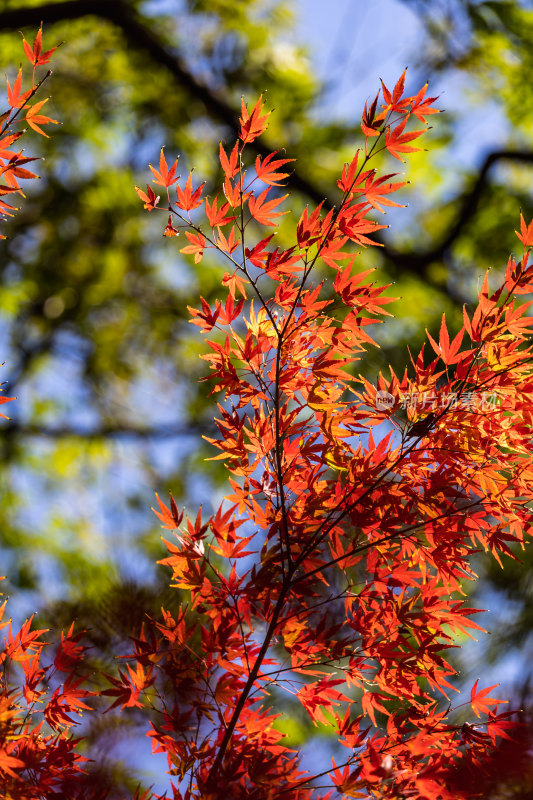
12,163
334,568
39,755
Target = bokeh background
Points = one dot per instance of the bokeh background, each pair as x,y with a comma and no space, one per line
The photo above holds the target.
94,329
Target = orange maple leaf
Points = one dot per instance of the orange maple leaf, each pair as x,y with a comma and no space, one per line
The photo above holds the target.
34,119
526,232
266,169
262,211
149,199
14,96
396,140
253,124
196,246
34,54
481,702
187,199
164,176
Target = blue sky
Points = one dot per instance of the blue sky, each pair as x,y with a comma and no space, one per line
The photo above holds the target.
354,43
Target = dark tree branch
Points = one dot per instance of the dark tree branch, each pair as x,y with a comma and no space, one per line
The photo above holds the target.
139,36
468,206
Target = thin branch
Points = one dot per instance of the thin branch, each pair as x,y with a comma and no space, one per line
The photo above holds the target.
254,674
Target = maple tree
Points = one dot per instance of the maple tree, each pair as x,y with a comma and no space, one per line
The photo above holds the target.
79,258
334,568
